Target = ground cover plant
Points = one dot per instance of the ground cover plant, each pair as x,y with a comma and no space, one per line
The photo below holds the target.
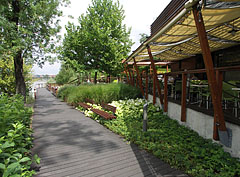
98,92
175,144
15,137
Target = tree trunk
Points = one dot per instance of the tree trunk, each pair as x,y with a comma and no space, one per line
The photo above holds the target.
18,59
19,78
89,77
109,78
95,78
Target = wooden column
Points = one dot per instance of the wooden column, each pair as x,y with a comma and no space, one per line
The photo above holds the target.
167,68
133,76
146,87
217,106
131,79
184,98
154,90
139,78
128,80
155,74
219,77
165,93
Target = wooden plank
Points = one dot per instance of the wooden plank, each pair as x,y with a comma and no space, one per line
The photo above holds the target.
68,144
183,98
155,74
217,106
165,93
139,78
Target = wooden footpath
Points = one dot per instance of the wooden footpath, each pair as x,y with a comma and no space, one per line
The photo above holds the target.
70,144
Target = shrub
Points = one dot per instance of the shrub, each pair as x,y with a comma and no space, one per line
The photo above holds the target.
15,137
99,92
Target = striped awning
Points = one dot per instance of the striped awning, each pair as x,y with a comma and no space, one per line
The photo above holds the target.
178,39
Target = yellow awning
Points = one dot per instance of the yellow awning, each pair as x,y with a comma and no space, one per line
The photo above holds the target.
180,40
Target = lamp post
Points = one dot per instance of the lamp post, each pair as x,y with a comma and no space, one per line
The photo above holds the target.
145,107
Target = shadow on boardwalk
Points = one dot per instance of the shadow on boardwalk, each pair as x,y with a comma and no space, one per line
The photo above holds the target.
70,144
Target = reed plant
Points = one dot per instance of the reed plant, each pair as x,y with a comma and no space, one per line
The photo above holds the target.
99,92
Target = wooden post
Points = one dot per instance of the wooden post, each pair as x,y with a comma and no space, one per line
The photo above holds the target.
217,106
184,97
154,90
155,74
146,87
128,80
133,73
130,76
219,76
167,68
139,78
165,93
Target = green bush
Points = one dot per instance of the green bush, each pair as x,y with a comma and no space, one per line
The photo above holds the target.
15,137
99,92
175,144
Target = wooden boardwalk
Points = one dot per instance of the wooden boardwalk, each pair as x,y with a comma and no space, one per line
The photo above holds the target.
70,144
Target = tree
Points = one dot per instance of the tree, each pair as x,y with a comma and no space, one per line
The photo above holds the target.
65,75
143,38
7,79
27,28
101,40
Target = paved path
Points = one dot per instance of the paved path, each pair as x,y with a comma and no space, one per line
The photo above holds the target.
70,144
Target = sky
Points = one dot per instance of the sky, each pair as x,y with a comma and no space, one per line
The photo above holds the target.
139,15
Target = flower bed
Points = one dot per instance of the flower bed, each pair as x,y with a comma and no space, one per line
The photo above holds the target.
175,144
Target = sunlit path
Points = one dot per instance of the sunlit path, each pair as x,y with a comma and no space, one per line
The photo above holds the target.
70,144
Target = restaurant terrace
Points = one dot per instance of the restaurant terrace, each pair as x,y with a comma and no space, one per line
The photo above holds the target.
198,43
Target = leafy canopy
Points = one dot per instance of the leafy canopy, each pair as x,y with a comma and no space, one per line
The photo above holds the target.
101,40
34,32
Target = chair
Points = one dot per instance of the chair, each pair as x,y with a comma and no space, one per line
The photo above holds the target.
205,93
178,89
230,96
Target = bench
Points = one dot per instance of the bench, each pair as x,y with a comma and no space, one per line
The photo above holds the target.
104,114
109,107
85,105
54,91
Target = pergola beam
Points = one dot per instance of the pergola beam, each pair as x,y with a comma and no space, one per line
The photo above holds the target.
128,79
139,78
155,74
218,112
165,93
183,98
131,79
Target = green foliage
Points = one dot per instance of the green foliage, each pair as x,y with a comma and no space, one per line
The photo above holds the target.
51,81
7,80
15,137
27,32
33,29
65,75
143,38
100,92
100,41
175,144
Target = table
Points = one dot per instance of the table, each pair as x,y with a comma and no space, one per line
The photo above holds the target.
201,86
